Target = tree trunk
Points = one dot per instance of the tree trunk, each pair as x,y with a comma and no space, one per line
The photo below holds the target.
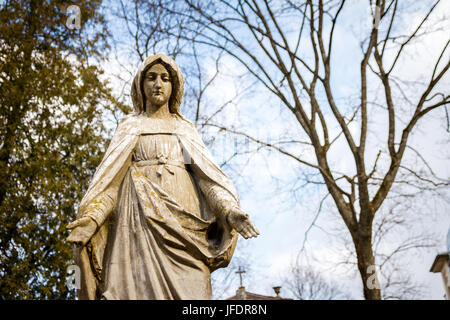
367,268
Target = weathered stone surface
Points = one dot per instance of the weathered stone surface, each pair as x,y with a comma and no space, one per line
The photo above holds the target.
159,215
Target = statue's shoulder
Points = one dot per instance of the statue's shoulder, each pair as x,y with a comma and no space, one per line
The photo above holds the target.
183,120
184,124
129,118
129,124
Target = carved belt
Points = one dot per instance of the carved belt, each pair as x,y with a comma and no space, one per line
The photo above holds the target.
161,162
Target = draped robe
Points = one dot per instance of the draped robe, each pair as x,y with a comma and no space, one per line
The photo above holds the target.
198,244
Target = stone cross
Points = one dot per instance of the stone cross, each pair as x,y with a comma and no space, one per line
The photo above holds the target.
240,272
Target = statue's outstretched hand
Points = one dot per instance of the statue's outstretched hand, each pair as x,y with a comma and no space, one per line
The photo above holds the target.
83,230
240,221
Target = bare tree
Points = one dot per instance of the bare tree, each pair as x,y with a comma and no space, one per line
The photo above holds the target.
296,64
305,283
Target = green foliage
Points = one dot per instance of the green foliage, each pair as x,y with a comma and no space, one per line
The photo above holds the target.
52,138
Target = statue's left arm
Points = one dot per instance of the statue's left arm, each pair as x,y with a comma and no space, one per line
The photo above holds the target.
222,202
214,183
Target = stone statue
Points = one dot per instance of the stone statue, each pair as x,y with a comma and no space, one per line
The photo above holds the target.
159,215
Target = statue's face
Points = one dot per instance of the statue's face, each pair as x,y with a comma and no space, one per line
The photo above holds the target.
157,85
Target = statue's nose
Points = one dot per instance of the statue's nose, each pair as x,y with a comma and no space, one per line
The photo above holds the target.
158,82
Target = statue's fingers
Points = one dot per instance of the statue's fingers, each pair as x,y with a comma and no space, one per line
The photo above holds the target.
251,227
72,238
255,230
76,235
244,234
78,244
251,231
240,229
76,240
74,224
78,222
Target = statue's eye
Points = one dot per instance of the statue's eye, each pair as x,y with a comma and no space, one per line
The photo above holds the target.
165,78
150,76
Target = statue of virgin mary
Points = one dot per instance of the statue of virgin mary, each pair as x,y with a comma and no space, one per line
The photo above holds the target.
159,215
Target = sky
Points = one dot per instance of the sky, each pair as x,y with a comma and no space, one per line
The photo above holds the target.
268,184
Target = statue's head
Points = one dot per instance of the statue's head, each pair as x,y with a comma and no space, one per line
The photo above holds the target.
157,86
157,64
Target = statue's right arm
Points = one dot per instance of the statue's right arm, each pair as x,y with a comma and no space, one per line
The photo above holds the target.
101,208
103,204
94,215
